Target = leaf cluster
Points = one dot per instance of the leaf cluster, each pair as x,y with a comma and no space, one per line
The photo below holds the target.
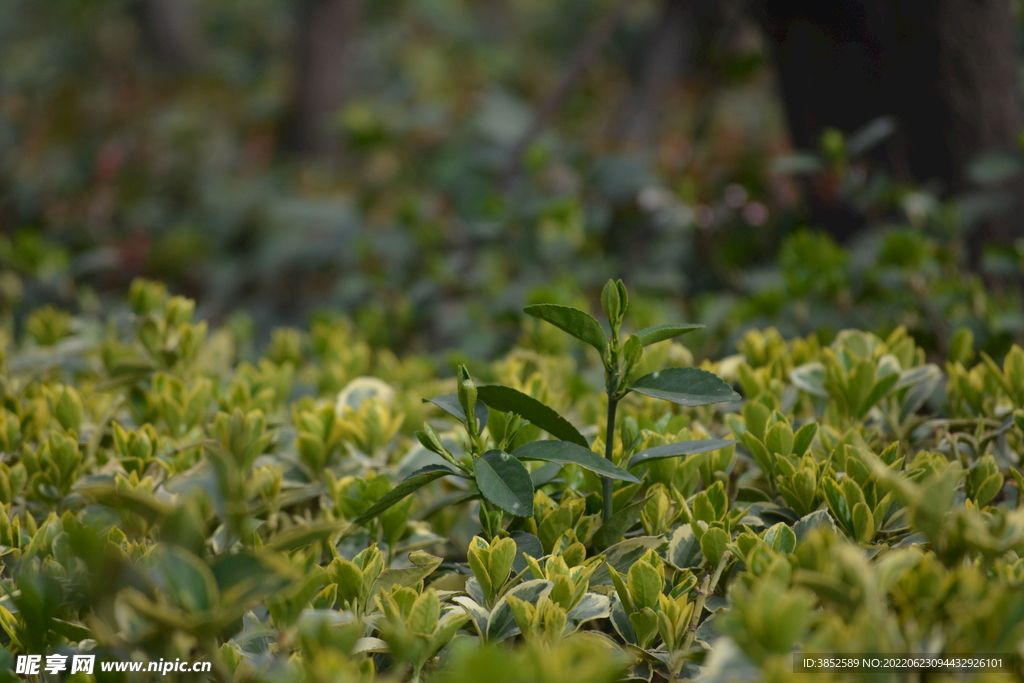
309,516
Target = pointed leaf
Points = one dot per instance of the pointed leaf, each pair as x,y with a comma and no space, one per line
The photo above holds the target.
645,585
414,481
545,474
619,581
574,321
653,335
591,606
804,437
860,383
499,564
645,625
681,448
781,537
713,544
509,400
566,452
525,543
779,439
923,387
810,377
816,520
620,621
449,403
476,612
755,417
863,523
424,565
684,549
878,392
505,482
633,351
837,502
75,632
622,555
685,386
502,623
760,454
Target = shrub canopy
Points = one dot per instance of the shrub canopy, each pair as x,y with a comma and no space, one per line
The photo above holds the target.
306,515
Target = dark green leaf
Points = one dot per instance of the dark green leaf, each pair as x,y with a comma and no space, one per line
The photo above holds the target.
525,543
614,529
621,557
653,335
681,448
414,481
620,620
545,474
569,453
591,606
449,403
574,321
684,549
508,400
685,386
505,482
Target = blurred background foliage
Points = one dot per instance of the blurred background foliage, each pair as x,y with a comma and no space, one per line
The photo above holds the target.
427,167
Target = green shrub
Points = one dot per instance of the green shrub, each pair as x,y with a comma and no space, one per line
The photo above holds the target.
310,516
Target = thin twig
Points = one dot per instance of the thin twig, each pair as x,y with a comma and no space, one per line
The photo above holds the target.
606,483
710,583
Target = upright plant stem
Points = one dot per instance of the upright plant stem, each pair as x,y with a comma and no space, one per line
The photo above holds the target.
609,438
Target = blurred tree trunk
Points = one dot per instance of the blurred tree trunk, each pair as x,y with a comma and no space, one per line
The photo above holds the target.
667,59
946,69
171,29
322,82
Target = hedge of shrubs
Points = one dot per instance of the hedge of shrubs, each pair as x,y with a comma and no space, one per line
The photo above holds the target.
308,516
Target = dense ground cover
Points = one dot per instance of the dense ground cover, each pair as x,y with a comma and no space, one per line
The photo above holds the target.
161,499
282,503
